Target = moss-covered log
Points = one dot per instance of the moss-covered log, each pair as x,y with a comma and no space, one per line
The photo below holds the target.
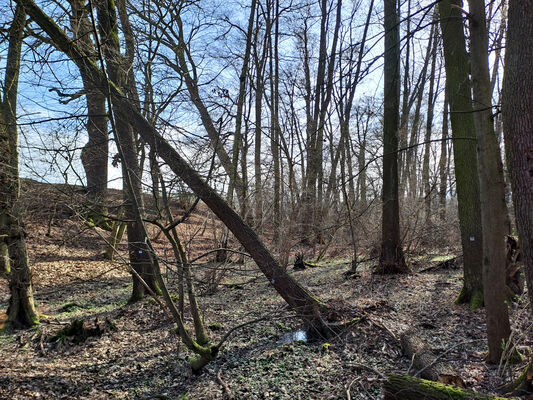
403,387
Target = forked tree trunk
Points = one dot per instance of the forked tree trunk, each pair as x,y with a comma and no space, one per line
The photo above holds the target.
492,187
391,259
517,107
308,307
138,251
21,309
464,149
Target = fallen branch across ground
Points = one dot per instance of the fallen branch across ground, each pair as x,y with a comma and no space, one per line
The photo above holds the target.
404,387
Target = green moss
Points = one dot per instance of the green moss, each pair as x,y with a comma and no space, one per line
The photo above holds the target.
460,299
215,326
68,307
434,390
477,301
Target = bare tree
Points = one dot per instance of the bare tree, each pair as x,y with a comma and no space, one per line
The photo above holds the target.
391,259
298,298
94,155
21,310
491,185
458,88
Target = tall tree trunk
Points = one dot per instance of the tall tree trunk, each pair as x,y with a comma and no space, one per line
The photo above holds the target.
298,298
492,187
237,139
275,128
517,107
443,165
406,106
391,259
21,309
138,251
464,149
94,155
410,168
429,123
258,215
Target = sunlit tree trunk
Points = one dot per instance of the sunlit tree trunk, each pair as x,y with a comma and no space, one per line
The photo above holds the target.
491,185
138,251
94,154
464,149
443,165
21,309
238,137
391,258
426,187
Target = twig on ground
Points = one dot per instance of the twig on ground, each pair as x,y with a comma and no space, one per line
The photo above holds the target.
368,368
348,394
382,326
41,344
224,385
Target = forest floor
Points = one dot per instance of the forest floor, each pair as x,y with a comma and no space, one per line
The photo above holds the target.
139,356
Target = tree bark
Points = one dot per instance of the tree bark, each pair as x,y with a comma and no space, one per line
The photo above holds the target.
491,185
94,155
443,170
238,139
464,149
21,309
517,108
391,259
138,251
427,189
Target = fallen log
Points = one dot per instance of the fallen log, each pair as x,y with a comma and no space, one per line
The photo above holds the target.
404,387
427,364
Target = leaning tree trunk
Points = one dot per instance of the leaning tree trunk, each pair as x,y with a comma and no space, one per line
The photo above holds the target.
21,310
464,149
308,307
517,108
492,187
391,259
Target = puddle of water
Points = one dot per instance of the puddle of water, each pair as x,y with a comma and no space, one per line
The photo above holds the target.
291,337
